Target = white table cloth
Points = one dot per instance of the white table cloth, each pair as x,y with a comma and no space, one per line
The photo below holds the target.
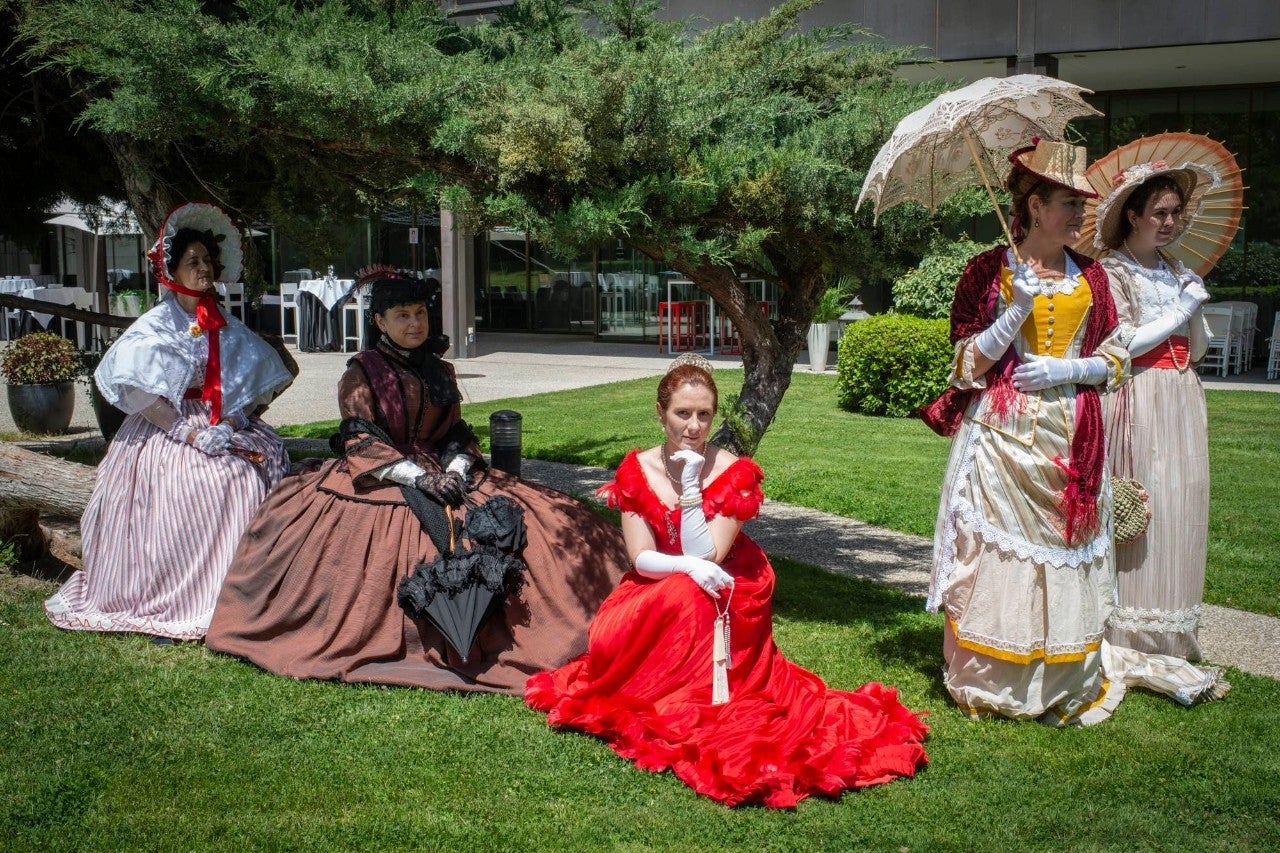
329,291
55,296
16,285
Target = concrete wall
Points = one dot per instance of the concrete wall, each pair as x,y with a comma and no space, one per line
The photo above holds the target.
952,30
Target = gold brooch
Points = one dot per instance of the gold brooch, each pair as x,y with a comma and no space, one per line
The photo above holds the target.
195,330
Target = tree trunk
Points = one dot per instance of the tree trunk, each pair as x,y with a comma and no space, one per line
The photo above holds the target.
769,348
150,197
36,482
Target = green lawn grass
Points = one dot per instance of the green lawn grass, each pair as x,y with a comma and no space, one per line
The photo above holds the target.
888,472
111,743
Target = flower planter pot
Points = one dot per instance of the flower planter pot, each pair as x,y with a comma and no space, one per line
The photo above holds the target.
42,409
819,344
109,418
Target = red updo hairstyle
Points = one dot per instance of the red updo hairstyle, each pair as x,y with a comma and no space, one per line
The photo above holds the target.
686,374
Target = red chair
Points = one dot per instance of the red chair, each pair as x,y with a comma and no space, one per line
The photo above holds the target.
676,323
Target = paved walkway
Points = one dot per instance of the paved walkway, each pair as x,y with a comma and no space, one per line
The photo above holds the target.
1237,638
517,365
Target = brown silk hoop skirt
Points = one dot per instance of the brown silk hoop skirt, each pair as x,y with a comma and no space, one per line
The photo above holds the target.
311,592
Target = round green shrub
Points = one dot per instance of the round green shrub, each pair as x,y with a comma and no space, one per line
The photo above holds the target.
927,290
891,364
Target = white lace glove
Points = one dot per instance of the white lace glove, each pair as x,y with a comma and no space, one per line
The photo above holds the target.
405,472
995,339
180,429
460,465
695,535
706,574
213,440
1038,372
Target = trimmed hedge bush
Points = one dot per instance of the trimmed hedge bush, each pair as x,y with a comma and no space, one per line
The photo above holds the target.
891,364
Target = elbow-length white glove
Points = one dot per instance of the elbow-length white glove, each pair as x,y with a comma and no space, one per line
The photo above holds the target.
1193,295
695,534
706,574
994,340
1038,372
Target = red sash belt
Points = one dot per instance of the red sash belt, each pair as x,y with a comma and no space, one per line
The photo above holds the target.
1172,354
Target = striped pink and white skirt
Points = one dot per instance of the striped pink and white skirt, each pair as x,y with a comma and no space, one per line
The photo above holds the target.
160,530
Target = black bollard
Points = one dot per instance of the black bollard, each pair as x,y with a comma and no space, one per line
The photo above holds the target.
504,441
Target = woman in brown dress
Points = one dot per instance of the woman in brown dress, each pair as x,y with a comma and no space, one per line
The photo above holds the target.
312,591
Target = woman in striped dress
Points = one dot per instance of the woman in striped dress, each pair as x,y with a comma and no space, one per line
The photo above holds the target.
1158,428
186,472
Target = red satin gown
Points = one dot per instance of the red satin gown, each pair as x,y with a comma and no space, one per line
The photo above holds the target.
644,684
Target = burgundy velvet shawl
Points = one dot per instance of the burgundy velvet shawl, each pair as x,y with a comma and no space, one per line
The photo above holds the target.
973,310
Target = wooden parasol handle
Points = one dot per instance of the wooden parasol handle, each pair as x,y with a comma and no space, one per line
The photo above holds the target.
991,193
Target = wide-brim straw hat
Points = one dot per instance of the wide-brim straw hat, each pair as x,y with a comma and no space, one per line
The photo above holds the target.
1045,161
1188,177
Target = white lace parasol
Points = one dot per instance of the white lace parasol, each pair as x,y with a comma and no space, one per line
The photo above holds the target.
963,138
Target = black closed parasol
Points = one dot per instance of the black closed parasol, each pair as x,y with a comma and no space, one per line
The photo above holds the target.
456,591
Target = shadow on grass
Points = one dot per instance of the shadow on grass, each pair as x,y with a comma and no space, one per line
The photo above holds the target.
904,634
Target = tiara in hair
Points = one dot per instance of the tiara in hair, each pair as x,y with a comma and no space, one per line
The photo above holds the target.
692,359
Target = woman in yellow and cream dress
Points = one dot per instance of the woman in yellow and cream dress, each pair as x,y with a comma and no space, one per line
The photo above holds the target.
1022,559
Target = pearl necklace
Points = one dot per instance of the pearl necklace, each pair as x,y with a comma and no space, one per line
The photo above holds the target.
1159,267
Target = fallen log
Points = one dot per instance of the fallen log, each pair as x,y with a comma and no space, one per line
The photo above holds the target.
34,481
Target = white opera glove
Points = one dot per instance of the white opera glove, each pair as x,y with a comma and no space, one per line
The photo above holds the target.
213,440
994,340
691,473
237,420
1038,372
706,574
1193,293
1150,334
405,472
695,535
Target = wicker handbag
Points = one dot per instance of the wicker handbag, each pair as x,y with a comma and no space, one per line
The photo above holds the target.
1130,503
1131,509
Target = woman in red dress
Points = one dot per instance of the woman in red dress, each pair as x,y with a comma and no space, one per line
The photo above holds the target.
681,671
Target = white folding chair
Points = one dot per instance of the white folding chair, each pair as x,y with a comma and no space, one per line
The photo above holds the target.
1273,353
234,293
289,306
353,320
1248,323
1218,354
1237,340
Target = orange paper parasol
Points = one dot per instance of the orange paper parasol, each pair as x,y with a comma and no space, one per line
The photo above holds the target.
1212,213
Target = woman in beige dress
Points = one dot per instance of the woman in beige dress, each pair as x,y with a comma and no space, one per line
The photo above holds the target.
1157,425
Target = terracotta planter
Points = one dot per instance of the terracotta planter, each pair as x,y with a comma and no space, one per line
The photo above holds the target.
42,409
